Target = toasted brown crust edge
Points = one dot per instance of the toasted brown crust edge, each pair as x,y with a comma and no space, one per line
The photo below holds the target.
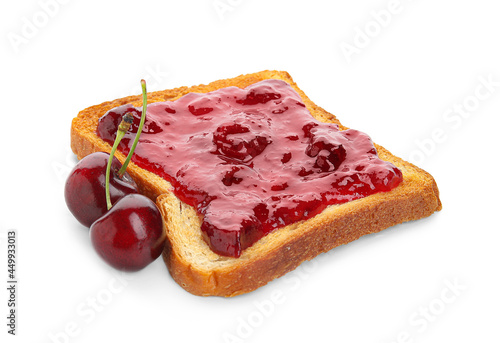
413,199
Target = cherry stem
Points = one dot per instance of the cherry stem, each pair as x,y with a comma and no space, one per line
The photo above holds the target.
125,124
139,129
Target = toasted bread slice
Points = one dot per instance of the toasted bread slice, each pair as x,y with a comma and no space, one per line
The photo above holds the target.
198,269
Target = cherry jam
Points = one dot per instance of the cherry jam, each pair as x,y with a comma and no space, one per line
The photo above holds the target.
251,160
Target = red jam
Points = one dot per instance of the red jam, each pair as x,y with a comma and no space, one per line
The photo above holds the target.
251,160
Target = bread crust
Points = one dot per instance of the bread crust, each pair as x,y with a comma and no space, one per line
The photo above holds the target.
200,271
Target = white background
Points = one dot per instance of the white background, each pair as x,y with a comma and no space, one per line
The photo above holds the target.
404,81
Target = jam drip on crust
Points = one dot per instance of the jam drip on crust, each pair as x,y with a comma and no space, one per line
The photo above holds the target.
251,160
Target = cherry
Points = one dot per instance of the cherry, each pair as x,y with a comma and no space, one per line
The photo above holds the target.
85,192
126,228
130,235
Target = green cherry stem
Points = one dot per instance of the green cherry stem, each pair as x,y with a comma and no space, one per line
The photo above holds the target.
139,129
127,120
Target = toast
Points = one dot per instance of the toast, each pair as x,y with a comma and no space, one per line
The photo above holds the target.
198,269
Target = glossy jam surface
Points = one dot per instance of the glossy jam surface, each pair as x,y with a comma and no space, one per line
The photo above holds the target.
251,160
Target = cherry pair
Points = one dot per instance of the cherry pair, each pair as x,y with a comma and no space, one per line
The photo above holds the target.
126,228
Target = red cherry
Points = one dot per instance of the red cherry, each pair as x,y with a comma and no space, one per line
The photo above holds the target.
130,235
85,187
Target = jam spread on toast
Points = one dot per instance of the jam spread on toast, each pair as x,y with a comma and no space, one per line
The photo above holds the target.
251,160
